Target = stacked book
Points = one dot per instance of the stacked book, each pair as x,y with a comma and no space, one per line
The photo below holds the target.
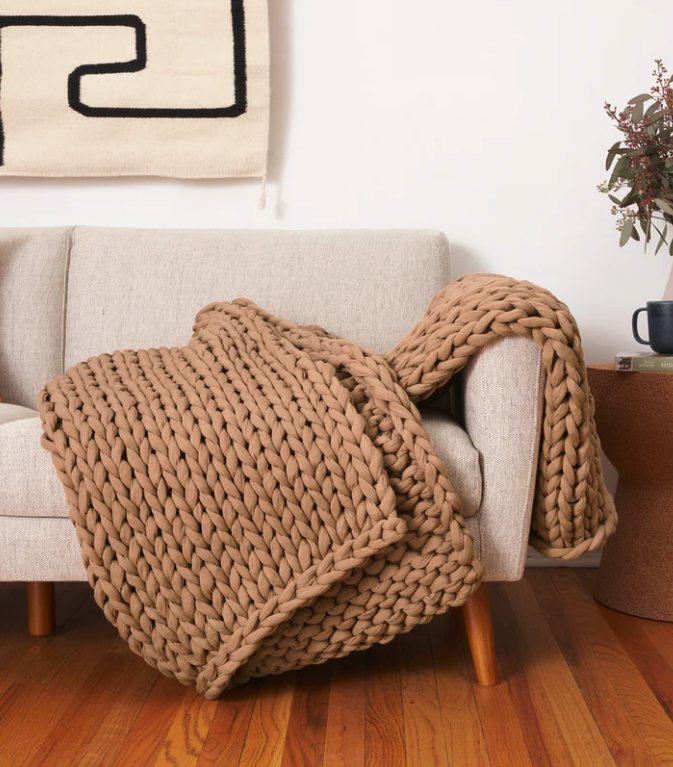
643,362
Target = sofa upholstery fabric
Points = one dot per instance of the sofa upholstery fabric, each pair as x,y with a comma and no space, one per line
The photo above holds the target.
9,413
39,292
339,280
500,402
33,266
29,485
39,549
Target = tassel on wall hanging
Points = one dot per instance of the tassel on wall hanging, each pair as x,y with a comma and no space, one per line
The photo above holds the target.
134,88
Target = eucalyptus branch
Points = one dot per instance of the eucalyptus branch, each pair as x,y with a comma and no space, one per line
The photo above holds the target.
643,162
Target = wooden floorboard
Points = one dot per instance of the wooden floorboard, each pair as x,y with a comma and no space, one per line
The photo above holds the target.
307,726
345,734
265,740
141,745
188,732
622,735
548,665
503,730
423,726
385,742
584,686
523,673
463,733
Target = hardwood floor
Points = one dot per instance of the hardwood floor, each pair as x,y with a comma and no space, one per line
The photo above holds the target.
583,686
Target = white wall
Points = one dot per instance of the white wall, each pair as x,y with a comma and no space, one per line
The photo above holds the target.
482,119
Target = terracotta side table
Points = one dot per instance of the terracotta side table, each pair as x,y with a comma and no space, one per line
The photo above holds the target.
634,416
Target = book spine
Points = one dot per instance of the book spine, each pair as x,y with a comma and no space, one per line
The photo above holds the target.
645,364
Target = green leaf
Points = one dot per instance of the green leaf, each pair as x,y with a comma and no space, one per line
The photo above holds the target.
620,168
626,232
637,112
616,200
658,115
662,241
664,205
635,235
631,197
640,99
611,155
670,250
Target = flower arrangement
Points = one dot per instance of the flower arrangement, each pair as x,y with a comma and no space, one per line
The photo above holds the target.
644,164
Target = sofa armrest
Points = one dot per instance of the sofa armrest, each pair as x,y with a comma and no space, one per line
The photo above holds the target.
499,399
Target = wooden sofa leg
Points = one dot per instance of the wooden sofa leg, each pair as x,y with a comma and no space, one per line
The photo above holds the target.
477,616
41,608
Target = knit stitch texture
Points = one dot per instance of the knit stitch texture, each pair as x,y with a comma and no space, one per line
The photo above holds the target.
266,497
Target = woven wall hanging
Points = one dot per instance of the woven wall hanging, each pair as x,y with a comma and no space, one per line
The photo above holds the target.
134,87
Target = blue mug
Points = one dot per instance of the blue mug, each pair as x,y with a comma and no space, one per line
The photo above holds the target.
660,326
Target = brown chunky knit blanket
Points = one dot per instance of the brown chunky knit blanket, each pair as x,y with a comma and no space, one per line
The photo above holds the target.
267,497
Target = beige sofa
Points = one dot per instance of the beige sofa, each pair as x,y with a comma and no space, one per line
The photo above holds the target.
69,293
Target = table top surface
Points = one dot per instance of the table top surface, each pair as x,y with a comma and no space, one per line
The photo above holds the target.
603,366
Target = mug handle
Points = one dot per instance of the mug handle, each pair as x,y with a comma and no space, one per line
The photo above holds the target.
634,326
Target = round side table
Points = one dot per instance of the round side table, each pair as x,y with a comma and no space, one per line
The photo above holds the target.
634,417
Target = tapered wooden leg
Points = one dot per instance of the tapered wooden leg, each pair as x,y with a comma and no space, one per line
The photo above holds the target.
477,616
41,608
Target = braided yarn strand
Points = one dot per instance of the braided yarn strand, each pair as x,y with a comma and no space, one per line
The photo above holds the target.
267,497
573,512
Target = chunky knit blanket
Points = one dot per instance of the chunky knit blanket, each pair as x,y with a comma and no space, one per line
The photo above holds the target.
267,497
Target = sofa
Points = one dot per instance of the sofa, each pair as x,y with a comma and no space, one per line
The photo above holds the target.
70,293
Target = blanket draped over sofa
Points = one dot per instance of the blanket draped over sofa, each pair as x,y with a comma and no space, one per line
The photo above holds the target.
267,497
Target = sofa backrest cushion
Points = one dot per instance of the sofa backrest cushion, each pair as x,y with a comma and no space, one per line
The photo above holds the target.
33,265
142,288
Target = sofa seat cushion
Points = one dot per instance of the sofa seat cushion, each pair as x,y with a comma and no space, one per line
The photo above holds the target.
29,486
453,445
14,412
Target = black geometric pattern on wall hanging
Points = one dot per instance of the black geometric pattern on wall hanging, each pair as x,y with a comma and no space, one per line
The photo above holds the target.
237,82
